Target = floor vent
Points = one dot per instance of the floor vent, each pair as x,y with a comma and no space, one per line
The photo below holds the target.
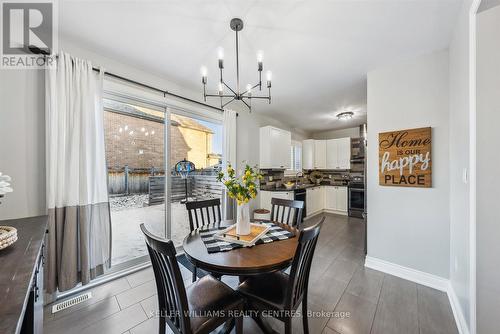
71,302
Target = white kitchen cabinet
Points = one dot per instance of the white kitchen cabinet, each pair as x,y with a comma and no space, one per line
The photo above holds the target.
320,154
332,148
344,153
312,205
341,198
265,197
326,198
330,198
338,153
315,200
308,154
274,148
336,199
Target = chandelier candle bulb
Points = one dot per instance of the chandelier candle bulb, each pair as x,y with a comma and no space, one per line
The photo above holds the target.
249,90
269,75
204,73
260,56
220,55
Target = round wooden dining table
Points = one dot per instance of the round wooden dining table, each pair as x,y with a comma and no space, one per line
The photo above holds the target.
246,261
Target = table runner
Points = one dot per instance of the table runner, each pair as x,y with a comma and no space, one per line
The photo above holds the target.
275,233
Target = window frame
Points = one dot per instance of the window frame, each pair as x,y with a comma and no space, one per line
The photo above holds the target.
295,144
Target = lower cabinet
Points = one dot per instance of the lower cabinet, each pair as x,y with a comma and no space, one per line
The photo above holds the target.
265,197
326,198
336,199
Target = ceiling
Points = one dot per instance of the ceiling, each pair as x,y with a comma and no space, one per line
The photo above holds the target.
319,51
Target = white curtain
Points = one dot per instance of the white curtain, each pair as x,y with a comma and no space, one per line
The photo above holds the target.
79,240
229,156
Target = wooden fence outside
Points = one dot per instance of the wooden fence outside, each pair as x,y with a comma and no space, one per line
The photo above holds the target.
201,184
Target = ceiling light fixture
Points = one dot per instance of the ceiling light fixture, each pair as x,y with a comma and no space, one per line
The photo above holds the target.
235,94
346,115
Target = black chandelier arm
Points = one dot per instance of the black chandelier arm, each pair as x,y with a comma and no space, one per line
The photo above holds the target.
225,104
256,97
248,106
229,88
245,93
217,95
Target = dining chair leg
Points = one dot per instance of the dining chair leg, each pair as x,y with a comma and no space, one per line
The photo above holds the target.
162,328
263,325
288,326
194,274
305,324
239,324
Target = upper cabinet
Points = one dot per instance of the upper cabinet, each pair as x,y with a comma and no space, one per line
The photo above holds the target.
338,153
308,154
320,154
275,148
326,154
344,153
331,154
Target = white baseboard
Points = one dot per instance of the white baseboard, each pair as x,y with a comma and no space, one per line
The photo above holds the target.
420,277
314,214
457,311
409,274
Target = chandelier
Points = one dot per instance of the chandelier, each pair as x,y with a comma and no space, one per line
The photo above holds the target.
245,96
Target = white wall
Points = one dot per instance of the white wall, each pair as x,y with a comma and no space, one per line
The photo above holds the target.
410,226
334,134
459,161
22,142
488,160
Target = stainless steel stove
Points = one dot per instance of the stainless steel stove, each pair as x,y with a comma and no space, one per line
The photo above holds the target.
357,196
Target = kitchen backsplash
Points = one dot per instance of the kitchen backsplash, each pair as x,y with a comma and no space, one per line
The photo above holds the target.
276,178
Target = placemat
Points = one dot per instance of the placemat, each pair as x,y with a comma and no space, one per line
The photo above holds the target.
275,233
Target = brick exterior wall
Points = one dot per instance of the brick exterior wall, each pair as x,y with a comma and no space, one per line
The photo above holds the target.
144,147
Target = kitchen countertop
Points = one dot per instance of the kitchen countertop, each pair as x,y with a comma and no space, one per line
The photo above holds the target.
303,186
17,266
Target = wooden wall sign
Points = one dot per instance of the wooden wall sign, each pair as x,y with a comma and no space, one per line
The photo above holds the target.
405,158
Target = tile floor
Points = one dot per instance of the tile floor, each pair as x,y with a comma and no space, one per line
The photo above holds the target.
344,297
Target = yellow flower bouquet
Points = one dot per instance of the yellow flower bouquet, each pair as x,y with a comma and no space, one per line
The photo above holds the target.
241,188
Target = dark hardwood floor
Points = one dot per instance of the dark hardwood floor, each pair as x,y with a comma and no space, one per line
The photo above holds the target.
344,297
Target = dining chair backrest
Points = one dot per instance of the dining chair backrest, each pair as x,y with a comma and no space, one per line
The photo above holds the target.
301,265
172,299
287,211
203,212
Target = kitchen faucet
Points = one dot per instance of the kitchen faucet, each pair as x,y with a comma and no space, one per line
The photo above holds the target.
297,178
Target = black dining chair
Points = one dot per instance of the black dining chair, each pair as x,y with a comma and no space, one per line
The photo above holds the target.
281,293
202,213
287,211
197,309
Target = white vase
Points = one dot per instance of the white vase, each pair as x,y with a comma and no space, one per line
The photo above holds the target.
243,219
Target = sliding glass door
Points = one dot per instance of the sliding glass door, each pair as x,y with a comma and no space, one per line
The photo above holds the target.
198,141
144,141
135,154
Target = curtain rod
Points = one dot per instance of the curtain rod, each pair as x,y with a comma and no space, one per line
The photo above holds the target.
119,77
164,92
